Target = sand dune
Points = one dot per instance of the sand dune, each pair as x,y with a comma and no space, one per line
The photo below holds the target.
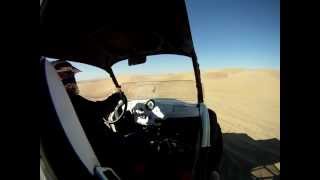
247,103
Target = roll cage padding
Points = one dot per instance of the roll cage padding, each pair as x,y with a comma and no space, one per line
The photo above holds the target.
62,151
208,157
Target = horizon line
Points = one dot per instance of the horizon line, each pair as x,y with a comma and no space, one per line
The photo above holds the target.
172,73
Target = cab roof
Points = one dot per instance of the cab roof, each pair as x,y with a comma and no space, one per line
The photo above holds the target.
102,33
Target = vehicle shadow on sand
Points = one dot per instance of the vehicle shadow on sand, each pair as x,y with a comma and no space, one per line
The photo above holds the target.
246,158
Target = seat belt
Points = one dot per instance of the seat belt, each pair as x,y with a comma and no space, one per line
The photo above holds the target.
73,128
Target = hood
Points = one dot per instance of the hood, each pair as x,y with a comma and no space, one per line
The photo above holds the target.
102,33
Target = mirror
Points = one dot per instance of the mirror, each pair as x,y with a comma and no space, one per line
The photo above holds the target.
137,60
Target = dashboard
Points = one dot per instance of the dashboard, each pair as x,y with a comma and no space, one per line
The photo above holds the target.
163,125
154,111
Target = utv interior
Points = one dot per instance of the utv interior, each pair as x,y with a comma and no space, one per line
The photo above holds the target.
155,138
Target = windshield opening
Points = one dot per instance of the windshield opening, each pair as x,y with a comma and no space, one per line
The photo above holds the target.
161,77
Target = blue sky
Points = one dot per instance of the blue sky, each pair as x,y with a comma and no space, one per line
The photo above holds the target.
226,33
236,33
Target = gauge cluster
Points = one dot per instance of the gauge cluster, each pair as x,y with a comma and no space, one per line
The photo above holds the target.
155,111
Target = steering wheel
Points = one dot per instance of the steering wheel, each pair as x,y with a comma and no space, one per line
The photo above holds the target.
119,110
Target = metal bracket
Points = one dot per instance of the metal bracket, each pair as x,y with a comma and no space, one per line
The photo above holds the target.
104,173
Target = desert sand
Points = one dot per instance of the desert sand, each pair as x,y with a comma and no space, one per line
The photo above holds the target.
247,104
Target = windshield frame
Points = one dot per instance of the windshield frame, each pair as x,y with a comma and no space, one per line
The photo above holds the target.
196,71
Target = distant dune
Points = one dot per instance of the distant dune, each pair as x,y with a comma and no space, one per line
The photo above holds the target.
247,103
